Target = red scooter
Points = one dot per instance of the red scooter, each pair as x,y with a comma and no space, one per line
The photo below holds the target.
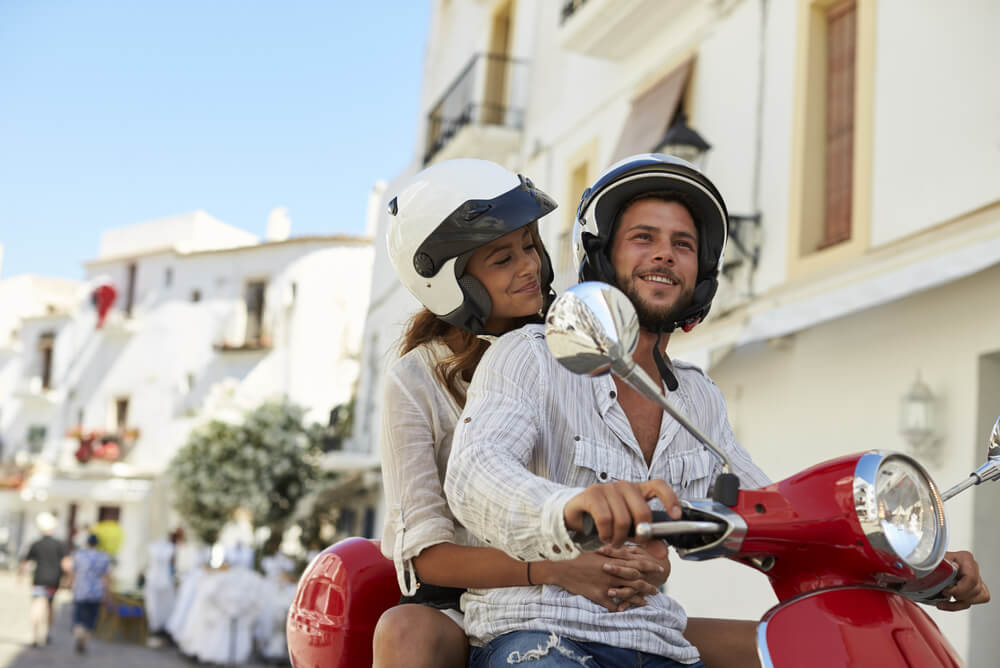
848,545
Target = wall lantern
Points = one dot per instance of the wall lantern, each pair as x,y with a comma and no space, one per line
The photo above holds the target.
684,142
918,420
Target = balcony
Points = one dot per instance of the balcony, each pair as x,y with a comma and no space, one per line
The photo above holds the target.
481,114
98,445
616,29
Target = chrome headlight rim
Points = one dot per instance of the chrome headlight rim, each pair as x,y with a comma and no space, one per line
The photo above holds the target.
866,506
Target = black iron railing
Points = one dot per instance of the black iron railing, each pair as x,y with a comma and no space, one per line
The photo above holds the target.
569,8
490,90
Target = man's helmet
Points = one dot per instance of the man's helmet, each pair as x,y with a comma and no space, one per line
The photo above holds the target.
441,216
623,182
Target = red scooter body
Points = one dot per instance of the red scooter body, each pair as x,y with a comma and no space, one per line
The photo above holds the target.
339,599
854,626
838,601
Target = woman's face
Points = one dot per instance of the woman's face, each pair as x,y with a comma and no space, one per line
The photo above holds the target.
510,270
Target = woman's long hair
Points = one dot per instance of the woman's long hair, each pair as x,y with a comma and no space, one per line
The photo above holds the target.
467,349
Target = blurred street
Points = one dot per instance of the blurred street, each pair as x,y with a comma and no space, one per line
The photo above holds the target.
15,638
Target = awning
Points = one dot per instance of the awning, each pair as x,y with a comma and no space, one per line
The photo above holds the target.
651,113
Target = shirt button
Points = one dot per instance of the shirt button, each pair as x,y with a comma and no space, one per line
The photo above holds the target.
555,548
613,394
468,420
568,547
604,475
576,438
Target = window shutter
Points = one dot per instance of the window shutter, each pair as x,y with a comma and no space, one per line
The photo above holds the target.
841,32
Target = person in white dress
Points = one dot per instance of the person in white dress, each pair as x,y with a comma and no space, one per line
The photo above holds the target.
160,588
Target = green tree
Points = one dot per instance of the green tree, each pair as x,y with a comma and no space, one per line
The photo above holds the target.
265,465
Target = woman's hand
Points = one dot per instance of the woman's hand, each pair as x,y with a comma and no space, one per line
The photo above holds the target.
614,578
650,563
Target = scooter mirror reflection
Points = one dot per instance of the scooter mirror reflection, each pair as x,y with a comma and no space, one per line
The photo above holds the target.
591,328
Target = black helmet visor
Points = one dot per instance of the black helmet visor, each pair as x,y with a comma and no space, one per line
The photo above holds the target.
477,222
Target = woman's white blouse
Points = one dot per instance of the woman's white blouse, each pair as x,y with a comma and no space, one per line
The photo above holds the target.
418,420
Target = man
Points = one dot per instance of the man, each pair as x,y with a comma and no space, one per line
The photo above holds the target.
47,554
537,446
91,576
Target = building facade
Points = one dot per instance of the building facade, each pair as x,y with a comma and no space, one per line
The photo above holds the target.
855,143
207,322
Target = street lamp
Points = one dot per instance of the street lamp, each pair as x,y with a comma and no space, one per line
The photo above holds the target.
917,419
683,142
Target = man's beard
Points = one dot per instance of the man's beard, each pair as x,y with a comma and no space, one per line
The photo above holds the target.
654,319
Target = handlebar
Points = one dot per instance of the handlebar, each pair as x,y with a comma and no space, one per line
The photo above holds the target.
662,526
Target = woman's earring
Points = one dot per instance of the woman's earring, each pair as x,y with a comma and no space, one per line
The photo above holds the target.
541,312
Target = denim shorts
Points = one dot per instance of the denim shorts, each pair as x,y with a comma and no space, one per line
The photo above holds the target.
541,649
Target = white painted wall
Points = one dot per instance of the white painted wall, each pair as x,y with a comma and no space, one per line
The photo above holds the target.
937,114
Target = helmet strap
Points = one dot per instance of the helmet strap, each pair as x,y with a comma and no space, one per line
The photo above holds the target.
661,364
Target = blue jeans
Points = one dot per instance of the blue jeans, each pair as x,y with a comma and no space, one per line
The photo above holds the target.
541,649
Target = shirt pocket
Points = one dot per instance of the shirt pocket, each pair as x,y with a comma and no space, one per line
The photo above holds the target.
604,463
691,472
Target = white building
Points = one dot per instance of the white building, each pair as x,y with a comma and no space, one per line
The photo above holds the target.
208,322
868,181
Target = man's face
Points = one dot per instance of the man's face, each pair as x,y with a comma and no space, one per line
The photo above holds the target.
654,251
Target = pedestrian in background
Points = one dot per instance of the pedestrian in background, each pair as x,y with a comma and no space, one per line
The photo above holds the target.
47,554
91,572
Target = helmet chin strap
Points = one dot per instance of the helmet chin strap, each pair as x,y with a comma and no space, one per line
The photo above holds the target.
661,364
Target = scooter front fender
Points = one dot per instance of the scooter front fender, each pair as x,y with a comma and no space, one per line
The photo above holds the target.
852,626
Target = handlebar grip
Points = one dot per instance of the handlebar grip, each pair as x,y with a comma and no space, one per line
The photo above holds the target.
589,530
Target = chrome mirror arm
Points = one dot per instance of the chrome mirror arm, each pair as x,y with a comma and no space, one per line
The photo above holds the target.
639,380
985,473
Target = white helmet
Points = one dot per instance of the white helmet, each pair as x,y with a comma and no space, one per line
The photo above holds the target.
441,216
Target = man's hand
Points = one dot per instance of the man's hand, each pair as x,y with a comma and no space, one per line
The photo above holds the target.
969,587
618,506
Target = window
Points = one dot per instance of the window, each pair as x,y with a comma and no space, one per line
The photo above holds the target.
368,530
840,62
254,297
346,521
121,414
130,289
110,513
46,342
195,296
495,102
36,438
832,141
168,277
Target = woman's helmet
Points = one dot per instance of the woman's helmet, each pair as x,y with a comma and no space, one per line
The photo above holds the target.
653,173
441,216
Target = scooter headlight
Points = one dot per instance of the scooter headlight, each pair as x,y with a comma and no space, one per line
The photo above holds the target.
900,509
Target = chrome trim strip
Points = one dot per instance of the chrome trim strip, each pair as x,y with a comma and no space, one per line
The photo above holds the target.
731,540
763,651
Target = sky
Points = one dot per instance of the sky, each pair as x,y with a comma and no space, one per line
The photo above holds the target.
113,113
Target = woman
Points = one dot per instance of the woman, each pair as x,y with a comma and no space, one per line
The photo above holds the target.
463,239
